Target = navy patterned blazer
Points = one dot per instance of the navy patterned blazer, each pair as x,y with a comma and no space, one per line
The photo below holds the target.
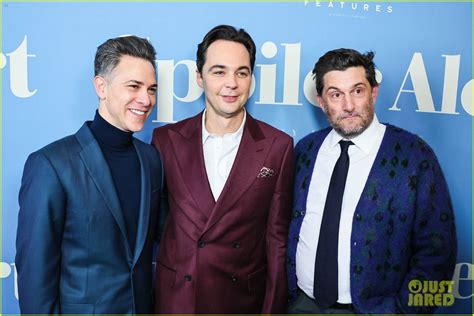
403,226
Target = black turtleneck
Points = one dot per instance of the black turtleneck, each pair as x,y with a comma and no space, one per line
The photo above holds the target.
121,156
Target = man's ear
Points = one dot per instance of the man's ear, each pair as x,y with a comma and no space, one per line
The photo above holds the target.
321,103
199,79
100,85
375,93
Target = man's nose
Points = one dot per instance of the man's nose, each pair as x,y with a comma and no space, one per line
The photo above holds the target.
231,81
145,98
348,103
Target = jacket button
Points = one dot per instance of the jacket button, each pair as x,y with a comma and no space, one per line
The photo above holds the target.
234,278
188,277
201,243
236,244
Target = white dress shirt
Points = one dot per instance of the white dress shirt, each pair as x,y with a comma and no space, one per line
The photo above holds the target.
219,155
361,156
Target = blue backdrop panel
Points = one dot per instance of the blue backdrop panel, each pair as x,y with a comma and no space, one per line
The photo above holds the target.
423,55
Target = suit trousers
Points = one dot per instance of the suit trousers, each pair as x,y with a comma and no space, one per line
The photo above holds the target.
306,305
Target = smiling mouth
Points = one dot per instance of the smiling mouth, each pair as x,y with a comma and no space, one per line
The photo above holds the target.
137,112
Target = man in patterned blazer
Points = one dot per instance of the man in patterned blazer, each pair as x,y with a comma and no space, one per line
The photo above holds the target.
372,210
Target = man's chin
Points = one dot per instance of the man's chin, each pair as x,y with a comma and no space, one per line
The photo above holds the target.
349,132
135,128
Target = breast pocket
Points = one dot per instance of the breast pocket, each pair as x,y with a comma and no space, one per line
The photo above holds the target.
264,182
257,281
166,276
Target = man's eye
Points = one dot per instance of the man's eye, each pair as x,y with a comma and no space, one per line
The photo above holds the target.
336,95
359,92
133,86
218,73
242,74
152,91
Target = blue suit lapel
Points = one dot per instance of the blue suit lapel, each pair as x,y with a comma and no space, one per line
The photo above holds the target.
144,212
99,171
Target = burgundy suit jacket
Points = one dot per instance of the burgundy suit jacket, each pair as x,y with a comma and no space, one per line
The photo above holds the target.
224,256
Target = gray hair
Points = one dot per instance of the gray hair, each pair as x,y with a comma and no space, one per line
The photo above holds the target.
108,54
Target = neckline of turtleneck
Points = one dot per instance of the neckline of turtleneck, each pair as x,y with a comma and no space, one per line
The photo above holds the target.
110,136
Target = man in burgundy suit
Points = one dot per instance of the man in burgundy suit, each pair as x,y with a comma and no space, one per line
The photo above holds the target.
230,180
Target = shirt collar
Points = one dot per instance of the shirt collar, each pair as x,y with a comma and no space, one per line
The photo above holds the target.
237,134
364,141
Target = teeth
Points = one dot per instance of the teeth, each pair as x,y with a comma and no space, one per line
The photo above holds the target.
137,112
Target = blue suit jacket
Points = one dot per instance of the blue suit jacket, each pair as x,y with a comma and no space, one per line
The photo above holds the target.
403,225
73,254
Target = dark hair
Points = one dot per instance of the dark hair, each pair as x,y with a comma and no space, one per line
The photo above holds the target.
227,33
341,59
108,54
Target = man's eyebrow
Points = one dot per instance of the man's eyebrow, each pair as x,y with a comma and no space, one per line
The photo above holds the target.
354,86
135,82
225,67
243,68
359,84
217,66
140,83
332,88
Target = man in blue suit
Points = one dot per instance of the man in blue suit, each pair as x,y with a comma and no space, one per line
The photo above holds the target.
372,215
89,202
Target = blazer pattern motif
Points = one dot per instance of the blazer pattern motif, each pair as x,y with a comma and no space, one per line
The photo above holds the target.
403,226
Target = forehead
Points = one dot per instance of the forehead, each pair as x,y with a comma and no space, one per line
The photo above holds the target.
227,53
345,79
130,66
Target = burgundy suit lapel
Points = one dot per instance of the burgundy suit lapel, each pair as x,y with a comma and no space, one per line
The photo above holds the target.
250,157
187,147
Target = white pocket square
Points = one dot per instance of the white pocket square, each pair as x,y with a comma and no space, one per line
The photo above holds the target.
265,173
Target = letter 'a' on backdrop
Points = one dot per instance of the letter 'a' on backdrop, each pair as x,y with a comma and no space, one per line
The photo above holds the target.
423,57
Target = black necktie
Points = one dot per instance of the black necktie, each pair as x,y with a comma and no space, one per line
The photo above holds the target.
325,270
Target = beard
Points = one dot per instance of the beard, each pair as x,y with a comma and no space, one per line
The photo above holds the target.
353,129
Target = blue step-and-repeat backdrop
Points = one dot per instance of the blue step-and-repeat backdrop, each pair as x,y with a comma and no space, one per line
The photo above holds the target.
423,55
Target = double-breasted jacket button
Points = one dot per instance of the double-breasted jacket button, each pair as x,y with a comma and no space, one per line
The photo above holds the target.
236,244
234,278
201,243
188,277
